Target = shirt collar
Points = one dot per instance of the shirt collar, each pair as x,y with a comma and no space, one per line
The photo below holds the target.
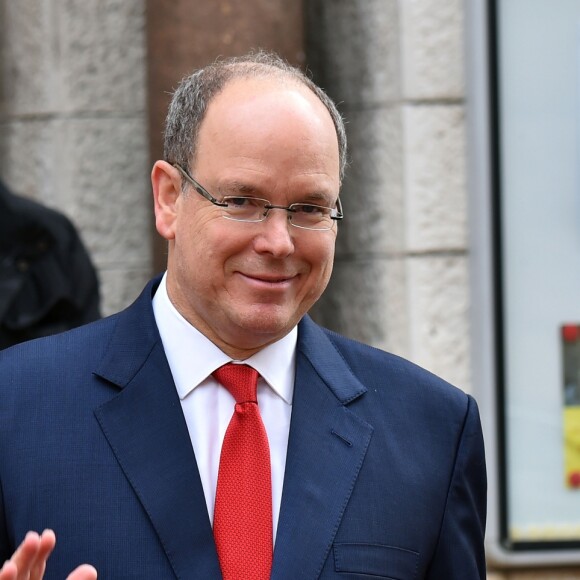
193,357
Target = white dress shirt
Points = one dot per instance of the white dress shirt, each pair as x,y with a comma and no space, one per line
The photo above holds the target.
208,407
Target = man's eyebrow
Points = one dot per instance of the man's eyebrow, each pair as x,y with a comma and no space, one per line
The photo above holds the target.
319,198
237,187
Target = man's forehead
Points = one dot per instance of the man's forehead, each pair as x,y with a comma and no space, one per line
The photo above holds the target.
264,103
260,117
247,89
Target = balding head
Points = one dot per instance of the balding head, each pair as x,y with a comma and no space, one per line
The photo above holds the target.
194,94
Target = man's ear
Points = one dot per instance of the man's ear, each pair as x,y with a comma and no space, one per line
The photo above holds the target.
166,183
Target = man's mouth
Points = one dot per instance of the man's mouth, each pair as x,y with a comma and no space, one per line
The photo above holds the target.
269,279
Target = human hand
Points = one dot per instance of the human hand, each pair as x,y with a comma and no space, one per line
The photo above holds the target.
29,560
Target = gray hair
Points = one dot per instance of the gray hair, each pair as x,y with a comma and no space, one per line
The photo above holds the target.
195,92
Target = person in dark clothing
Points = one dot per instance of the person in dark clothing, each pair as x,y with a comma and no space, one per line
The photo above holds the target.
48,283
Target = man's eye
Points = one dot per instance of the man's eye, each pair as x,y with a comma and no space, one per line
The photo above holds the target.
309,209
244,202
238,201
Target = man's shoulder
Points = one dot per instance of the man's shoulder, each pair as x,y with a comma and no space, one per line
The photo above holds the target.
133,324
386,372
69,347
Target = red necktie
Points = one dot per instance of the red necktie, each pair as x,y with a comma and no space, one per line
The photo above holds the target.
242,523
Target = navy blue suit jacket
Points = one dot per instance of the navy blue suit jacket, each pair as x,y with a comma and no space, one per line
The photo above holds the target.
385,473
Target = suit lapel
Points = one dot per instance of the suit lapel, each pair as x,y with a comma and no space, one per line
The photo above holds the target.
326,448
146,430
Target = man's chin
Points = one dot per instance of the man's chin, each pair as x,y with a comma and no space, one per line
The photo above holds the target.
267,324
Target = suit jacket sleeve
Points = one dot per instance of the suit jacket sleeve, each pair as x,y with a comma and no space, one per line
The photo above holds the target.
459,553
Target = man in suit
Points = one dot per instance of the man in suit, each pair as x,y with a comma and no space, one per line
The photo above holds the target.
115,435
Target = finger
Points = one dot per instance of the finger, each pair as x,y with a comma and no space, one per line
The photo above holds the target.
45,548
25,555
84,572
9,571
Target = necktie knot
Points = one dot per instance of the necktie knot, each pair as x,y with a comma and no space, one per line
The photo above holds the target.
240,380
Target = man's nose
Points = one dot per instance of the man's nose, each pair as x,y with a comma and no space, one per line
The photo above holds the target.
276,234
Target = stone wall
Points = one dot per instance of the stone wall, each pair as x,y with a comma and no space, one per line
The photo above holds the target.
73,126
400,280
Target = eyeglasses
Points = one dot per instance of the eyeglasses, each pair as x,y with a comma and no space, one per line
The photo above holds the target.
252,209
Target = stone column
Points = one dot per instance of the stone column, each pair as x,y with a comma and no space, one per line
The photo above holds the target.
73,126
400,280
